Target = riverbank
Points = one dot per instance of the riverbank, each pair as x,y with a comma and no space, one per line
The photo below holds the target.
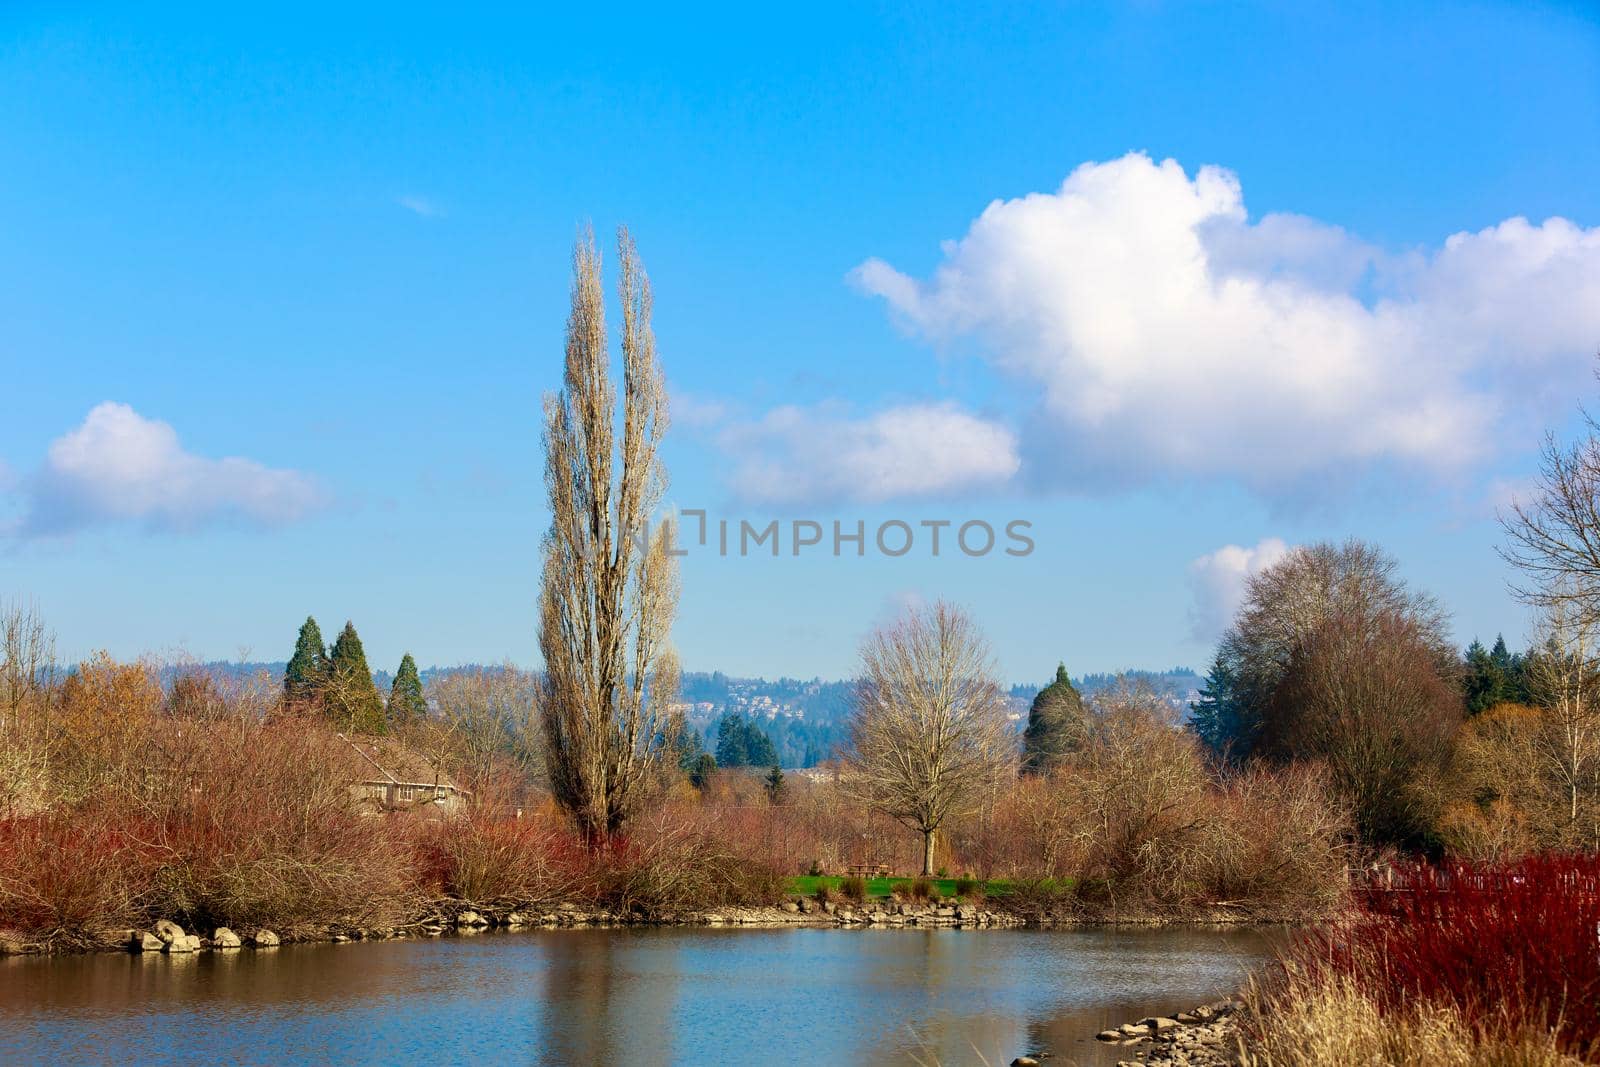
447,918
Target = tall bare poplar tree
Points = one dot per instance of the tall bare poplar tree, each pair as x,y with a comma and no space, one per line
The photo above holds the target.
929,726
609,585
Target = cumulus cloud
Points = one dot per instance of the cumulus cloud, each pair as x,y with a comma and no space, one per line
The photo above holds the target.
119,466
824,454
1218,581
1170,336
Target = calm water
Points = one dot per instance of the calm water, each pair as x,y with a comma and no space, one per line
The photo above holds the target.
670,996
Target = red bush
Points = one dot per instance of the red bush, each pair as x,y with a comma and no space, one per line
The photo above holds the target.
63,876
1512,947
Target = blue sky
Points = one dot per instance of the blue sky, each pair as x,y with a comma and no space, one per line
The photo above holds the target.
279,296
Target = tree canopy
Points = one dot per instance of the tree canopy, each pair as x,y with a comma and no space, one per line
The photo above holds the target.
352,700
406,700
1055,725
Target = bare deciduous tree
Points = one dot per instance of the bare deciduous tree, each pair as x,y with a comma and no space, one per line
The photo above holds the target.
1366,696
1553,537
1564,680
484,713
27,661
929,725
609,589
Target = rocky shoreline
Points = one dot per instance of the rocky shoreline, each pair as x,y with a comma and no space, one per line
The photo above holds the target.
455,917
1204,1036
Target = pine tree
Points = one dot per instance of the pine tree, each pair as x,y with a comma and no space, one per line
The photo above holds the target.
758,748
352,700
305,679
1056,725
1483,682
731,742
406,702
1214,718
775,784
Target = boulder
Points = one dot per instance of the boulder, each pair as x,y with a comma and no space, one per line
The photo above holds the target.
225,938
184,943
516,918
1024,1061
1134,1030
1109,1035
168,931
791,907
265,939
1158,1024
145,941
470,918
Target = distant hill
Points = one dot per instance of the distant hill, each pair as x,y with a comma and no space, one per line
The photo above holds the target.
804,718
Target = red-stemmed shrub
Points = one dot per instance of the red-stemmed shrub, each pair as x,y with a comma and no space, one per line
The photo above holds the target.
1513,948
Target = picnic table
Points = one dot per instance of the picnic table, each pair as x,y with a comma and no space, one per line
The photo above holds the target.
869,870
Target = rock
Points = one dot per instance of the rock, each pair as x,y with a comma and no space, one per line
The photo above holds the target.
1109,1035
1134,1030
470,918
145,941
1159,1024
265,939
516,918
168,931
184,943
1024,1061
945,913
225,938
791,907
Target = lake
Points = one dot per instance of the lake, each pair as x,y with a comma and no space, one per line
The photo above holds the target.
623,996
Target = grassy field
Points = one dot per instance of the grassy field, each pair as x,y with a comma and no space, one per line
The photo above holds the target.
807,885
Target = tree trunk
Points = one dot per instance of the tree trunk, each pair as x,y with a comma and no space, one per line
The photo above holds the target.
928,839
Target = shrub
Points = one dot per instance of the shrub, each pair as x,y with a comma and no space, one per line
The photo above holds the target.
675,864
1509,948
968,888
918,888
490,859
63,876
822,895
853,888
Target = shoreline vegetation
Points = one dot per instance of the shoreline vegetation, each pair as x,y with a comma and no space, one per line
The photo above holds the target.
1340,730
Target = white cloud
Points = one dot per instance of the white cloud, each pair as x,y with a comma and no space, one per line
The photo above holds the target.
419,205
694,411
803,455
121,467
1218,582
1170,336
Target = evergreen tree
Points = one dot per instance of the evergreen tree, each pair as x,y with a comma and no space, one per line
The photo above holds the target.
730,741
352,700
306,677
1483,682
775,784
703,768
1056,725
1214,718
1514,668
758,748
406,702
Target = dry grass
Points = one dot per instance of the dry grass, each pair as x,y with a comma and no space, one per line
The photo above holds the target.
1329,1022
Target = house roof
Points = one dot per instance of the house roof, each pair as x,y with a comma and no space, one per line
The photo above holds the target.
383,759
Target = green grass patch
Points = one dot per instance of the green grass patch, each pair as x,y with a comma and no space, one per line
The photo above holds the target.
806,885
